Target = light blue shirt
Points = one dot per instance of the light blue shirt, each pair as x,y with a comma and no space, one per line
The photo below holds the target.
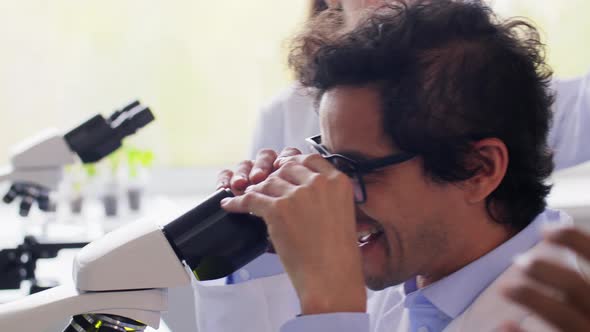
433,307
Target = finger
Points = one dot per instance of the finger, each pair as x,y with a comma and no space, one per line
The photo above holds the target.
239,180
223,178
314,162
572,238
251,202
263,165
556,313
285,154
576,289
295,174
273,187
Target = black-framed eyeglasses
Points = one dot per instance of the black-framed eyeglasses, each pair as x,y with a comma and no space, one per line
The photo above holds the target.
355,169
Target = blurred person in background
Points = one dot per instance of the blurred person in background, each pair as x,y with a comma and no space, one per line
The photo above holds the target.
285,122
290,115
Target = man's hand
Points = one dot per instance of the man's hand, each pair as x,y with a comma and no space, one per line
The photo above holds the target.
569,309
308,206
249,172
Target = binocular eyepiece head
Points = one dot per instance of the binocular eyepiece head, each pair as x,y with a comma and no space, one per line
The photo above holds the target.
99,137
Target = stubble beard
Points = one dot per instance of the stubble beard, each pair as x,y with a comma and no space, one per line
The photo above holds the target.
386,277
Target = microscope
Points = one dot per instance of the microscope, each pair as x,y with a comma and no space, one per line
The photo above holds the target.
37,164
36,169
121,279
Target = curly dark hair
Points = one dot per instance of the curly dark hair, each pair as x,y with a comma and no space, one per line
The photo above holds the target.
449,73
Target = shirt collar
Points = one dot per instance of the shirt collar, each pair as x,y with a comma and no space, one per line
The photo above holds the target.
454,293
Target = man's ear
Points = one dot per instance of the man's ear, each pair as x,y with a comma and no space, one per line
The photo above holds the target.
490,161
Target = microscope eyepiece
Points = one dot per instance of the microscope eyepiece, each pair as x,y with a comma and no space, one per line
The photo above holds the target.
213,242
98,137
129,122
129,106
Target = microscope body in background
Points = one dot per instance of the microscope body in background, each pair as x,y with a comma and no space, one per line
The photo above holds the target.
37,164
36,169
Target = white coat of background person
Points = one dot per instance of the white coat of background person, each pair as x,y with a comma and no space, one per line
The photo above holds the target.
290,118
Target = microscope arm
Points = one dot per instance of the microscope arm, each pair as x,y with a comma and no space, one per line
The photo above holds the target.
39,160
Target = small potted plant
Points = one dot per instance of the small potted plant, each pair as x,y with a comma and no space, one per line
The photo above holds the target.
79,176
77,199
110,196
138,162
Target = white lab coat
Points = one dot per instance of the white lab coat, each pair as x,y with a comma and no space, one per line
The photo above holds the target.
286,121
264,305
570,133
